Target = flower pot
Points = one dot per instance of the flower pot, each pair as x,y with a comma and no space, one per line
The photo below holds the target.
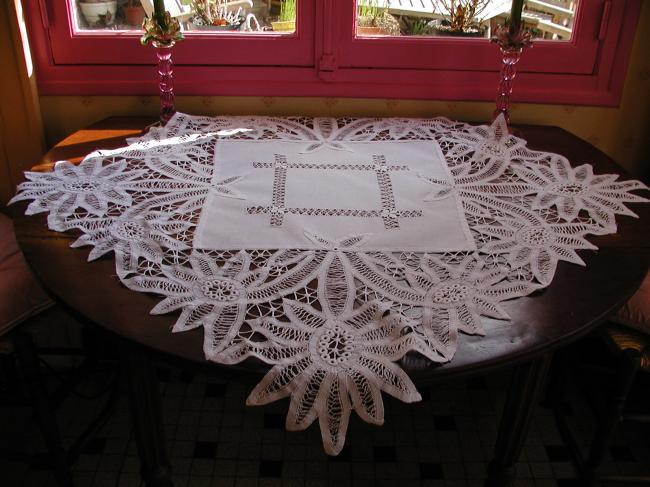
367,30
284,26
445,31
227,27
93,12
198,24
133,15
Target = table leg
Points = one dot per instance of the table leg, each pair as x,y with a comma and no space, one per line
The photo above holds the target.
146,411
525,386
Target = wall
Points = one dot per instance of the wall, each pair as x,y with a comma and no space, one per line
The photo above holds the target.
620,132
21,134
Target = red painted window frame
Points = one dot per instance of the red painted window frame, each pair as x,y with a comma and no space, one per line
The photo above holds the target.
324,58
577,56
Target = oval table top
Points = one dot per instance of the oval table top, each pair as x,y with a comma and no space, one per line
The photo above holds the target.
578,299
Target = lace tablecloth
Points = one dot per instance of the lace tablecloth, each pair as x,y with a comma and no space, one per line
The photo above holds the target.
330,248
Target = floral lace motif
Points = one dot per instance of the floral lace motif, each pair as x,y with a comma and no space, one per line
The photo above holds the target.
333,322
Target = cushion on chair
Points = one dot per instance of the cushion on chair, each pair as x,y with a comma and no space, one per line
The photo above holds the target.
623,338
636,312
20,295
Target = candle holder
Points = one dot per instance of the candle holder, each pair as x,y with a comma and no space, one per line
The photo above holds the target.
512,43
163,32
166,81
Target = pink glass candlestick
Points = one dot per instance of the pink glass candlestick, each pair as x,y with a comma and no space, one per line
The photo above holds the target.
511,40
509,60
166,81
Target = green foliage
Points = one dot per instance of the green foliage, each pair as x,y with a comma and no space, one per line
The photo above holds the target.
464,15
216,13
420,27
288,10
165,33
370,9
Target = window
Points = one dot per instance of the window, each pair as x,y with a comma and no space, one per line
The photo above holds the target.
196,15
472,53
549,20
88,38
580,53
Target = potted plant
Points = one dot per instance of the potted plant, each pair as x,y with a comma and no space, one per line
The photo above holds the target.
98,12
287,19
375,20
462,17
216,15
133,13
416,26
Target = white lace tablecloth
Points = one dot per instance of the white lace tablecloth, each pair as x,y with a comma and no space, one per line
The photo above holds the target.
330,248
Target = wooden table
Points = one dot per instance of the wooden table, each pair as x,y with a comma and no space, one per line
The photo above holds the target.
575,303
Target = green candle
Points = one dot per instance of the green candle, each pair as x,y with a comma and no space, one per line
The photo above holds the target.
515,15
159,12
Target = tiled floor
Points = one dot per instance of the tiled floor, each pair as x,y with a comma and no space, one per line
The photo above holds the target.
214,440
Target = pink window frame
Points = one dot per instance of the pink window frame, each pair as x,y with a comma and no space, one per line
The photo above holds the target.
469,54
324,58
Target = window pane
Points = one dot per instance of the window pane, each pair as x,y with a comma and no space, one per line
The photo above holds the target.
551,19
200,16
547,19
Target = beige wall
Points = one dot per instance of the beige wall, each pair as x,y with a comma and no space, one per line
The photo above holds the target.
21,135
620,132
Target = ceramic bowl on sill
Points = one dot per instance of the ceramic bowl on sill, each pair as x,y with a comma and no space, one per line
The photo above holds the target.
99,12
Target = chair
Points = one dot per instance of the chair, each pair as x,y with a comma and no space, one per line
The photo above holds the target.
627,335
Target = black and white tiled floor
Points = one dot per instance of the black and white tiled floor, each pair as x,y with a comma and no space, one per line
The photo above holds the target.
214,440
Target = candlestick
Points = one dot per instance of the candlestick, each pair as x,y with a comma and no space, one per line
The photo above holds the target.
515,15
159,12
509,60
163,32
511,44
166,81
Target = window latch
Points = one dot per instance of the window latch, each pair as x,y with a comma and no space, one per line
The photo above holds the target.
326,67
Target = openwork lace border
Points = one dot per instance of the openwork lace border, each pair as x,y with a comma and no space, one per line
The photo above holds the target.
333,323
